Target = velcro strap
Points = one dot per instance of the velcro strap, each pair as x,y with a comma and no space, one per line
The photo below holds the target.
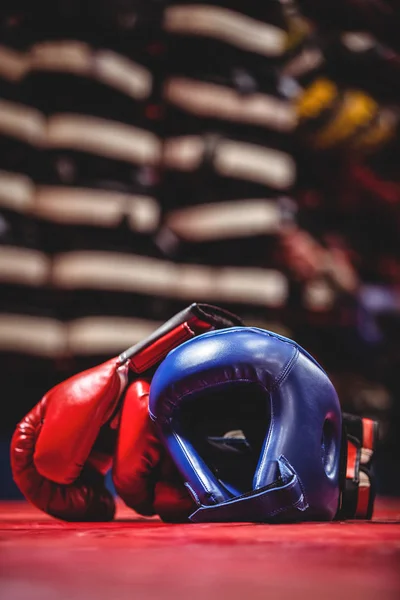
358,494
365,431
366,496
282,502
190,322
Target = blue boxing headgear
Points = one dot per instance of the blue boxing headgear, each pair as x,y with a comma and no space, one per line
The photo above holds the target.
253,424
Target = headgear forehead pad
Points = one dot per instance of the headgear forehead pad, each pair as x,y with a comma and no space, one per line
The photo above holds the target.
253,424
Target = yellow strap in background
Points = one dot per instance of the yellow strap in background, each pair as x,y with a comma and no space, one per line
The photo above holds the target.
319,96
355,111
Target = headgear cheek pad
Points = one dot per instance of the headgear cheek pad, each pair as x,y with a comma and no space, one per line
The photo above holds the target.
253,424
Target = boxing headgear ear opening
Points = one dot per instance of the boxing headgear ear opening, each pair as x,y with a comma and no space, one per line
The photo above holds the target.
231,442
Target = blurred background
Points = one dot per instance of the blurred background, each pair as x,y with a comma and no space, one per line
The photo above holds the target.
242,153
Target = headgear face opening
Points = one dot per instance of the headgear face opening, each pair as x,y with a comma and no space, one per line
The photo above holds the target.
253,424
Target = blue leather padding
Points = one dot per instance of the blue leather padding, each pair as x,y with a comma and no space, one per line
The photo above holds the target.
300,405
301,399
264,504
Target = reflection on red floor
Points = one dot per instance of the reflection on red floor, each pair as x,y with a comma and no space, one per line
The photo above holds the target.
136,558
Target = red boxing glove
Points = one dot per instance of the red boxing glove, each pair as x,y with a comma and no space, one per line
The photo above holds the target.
143,474
53,460
62,449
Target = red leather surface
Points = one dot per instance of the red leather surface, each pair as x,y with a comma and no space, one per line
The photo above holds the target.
75,411
368,434
160,348
51,446
351,460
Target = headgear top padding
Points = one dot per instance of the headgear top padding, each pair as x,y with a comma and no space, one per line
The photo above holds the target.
295,476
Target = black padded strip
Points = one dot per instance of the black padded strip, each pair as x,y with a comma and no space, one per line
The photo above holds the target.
217,317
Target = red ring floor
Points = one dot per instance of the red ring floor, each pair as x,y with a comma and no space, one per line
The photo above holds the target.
135,558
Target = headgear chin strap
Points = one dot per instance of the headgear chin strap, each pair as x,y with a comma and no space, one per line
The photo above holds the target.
253,424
